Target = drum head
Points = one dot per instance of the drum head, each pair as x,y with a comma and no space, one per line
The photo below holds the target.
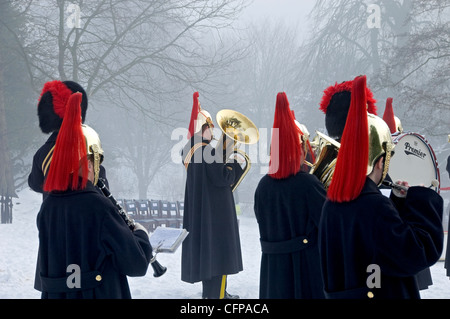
414,161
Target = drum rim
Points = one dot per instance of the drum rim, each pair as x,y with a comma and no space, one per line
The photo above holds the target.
397,136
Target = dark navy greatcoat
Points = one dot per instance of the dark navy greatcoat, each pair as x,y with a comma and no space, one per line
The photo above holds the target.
288,213
401,240
83,228
212,247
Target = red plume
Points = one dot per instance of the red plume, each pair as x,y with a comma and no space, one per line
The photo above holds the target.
60,95
286,155
351,167
388,115
346,86
70,151
194,115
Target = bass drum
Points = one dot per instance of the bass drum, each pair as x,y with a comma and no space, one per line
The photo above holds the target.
414,161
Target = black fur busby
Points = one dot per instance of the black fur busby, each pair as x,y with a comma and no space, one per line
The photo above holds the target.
336,114
335,104
52,104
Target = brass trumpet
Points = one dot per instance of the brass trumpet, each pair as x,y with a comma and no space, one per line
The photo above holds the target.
326,150
240,130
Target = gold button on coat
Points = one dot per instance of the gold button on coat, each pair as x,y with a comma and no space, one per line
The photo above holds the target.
305,241
98,278
370,294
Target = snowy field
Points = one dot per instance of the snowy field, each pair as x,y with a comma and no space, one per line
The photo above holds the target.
19,243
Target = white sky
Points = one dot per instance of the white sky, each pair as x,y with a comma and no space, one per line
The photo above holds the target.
291,10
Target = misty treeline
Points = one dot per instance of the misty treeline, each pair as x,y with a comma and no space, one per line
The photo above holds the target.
140,62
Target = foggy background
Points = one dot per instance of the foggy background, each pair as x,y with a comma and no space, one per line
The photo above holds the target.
141,61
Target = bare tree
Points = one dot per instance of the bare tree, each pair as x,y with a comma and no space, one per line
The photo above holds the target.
130,54
343,44
15,133
424,58
141,145
125,46
7,189
403,57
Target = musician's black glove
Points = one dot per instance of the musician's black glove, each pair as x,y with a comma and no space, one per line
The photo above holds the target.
138,226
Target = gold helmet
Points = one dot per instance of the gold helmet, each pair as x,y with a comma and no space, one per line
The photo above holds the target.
398,124
93,148
203,118
304,141
302,128
380,143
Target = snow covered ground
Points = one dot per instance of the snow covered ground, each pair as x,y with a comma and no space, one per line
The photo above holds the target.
19,243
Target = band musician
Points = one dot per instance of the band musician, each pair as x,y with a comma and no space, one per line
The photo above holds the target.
212,250
288,203
360,228
86,250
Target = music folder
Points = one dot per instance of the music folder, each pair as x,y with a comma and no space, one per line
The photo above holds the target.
167,239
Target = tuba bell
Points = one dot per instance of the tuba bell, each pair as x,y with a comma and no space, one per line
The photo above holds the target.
238,129
326,150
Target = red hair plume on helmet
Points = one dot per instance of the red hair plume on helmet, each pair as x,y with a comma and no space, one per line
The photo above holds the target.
351,167
70,151
194,115
388,115
286,154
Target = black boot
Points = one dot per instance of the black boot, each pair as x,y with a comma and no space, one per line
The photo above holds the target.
228,296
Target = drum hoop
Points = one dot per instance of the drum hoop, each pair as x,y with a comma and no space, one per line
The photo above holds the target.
396,137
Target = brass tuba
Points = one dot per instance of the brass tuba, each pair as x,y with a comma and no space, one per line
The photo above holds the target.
326,150
240,130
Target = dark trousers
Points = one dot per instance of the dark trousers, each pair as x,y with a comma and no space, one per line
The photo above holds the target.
214,288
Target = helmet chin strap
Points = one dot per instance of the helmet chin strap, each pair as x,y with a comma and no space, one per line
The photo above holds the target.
387,160
95,151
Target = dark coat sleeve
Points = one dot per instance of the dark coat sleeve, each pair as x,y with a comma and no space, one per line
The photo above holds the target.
36,177
130,251
220,174
416,229
256,202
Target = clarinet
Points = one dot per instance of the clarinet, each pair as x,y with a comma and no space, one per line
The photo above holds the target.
158,269
130,222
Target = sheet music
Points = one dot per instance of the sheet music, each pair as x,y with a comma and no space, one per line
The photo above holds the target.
167,239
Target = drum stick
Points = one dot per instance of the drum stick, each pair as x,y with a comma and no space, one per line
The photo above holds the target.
434,183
